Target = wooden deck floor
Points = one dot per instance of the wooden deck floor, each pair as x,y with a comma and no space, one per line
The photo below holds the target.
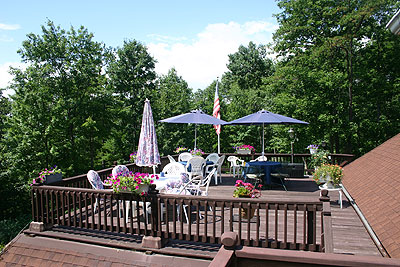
349,234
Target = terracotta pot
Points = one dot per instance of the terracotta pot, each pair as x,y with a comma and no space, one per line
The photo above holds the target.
244,213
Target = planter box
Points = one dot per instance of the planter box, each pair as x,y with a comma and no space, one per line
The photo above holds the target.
53,178
243,151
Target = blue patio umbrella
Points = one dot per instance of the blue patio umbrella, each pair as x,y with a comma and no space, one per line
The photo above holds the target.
263,117
195,117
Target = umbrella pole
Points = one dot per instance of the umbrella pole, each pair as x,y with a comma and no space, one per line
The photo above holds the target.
263,142
195,136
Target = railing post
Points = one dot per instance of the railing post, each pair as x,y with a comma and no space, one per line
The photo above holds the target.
327,235
153,241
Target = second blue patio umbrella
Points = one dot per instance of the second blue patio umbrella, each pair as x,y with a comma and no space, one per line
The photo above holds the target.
195,117
263,117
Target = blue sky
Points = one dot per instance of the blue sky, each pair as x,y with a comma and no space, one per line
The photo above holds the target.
195,37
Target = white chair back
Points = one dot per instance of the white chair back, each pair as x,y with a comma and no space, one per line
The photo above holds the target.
213,157
174,168
196,165
185,156
171,158
234,161
262,158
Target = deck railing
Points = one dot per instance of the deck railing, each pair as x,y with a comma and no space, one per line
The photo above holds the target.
296,224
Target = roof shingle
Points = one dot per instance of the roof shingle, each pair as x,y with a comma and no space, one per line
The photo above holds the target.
373,181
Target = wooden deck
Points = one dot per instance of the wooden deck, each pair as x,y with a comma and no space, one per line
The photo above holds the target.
349,234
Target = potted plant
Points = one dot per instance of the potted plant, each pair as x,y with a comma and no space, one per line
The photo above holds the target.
48,176
328,174
137,183
244,149
133,156
246,190
319,158
197,152
180,149
313,149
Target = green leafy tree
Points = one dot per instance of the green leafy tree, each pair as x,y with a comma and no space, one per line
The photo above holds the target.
132,77
322,47
173,98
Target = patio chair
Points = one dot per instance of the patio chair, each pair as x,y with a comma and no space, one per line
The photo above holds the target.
174,168
261,158
171,158
96,182
195,168
185,156
279,176
213,157
196,189
253,175
218,166
120,169
235,166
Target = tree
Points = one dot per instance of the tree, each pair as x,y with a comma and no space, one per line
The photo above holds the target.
54,97
174,97
131,76
321,45
242,88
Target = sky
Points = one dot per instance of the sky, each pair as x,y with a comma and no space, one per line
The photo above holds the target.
194,37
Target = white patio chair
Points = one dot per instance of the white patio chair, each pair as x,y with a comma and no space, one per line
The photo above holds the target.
174,168
218,166
261,158
197,189
235,166
196,166
171,158
212,157
185,156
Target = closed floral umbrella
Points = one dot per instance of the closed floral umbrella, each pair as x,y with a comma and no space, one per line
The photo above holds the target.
147,154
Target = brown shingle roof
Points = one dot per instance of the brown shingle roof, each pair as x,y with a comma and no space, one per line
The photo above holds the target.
42,251
373,180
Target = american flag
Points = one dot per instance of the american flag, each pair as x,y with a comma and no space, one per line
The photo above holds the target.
216,109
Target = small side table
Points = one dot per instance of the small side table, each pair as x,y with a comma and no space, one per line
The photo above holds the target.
338,189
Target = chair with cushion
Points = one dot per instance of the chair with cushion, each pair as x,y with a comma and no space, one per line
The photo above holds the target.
212,157
185,156
120,170
174,168
235,166
195,168
96,182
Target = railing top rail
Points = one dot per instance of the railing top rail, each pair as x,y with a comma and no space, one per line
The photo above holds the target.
274,200
298,200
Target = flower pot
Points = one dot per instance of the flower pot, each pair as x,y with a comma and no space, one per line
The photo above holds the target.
53,178
313,150
143,188
329,185
243,151
244,212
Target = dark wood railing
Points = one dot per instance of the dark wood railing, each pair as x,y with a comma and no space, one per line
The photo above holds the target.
301,224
